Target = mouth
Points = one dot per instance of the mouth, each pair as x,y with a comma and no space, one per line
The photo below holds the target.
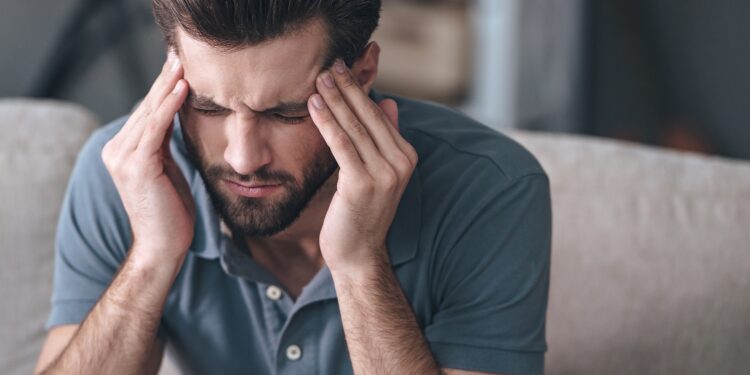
251,191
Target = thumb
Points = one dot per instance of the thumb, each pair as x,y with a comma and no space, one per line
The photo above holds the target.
390,108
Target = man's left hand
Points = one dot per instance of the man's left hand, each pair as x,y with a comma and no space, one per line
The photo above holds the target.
375,165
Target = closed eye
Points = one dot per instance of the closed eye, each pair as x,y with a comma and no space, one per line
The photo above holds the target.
288,119
275,116
209,112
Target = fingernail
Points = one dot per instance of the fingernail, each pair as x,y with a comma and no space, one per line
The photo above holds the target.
339,66
175,63
318,101
178,87
327,79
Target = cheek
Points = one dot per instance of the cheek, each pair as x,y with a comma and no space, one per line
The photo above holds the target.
302,142
207,135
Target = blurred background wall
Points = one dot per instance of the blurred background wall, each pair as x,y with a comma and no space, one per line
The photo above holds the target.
665,72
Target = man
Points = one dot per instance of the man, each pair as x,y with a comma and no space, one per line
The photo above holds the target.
265,212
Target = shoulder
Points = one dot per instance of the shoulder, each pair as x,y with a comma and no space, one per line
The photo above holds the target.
451,142
93,226
473,181
90,155
105,133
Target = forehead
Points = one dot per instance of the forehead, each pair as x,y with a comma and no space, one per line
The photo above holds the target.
259,76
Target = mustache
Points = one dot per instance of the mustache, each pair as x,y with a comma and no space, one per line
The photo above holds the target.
263,175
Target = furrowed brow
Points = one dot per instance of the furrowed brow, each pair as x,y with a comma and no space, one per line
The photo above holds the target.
201,101
291,107
205,102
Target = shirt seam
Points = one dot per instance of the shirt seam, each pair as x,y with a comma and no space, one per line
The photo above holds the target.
522,173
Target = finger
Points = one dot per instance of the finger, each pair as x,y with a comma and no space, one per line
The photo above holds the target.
157,127
337,106
370,114
166,152
171,73
337,139
390,108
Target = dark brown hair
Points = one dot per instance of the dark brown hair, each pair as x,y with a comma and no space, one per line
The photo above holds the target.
233,24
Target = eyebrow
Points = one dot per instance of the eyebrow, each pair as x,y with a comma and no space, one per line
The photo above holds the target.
205,102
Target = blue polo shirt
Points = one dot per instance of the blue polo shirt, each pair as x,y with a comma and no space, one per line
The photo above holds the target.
470,245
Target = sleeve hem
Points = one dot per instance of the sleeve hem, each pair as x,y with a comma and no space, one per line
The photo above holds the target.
487,360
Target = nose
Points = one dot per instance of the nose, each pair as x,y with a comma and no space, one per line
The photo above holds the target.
247,147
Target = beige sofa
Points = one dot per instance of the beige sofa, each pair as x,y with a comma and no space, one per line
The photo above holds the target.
650,260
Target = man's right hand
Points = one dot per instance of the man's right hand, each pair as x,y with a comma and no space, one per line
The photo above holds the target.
153,190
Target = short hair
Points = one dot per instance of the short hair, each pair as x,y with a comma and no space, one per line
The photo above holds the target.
234,24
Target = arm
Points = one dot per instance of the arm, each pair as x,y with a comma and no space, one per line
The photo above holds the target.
376,315
119,333
59,337
376,164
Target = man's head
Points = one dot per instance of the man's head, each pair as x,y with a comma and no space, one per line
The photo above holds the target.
251,66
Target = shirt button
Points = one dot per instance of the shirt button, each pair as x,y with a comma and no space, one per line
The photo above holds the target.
293,352
273,292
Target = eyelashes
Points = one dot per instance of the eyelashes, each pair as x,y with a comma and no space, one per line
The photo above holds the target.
275,116
209,112
289,119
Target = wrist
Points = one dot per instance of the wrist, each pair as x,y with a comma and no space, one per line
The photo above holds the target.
362,273
144,258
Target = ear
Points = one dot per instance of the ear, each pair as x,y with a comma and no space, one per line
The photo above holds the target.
365,68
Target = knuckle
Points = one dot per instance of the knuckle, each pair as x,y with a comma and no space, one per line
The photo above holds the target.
357,128
411,153
108,154
336,100
341,140
325,117
146,110
364,186
107,149
347,81
403,164
374,111
388,179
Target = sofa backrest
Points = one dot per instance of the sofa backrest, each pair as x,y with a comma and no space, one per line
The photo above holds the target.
650,259
39,141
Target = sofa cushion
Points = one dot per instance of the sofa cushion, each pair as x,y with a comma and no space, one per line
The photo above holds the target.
39,141
650,259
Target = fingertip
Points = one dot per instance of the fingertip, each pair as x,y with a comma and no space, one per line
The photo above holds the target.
390,107
317,101
179,87
389,102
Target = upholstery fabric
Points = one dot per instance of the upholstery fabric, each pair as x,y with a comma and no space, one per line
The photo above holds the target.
39,141
650,259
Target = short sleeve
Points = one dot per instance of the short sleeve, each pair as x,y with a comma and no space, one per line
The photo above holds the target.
93,234
492,283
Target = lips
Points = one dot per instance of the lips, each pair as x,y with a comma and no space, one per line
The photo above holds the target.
251,191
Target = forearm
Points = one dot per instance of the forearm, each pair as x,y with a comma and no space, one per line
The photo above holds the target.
119,332
381,332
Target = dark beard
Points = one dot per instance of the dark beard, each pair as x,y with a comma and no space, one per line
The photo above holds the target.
259,217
